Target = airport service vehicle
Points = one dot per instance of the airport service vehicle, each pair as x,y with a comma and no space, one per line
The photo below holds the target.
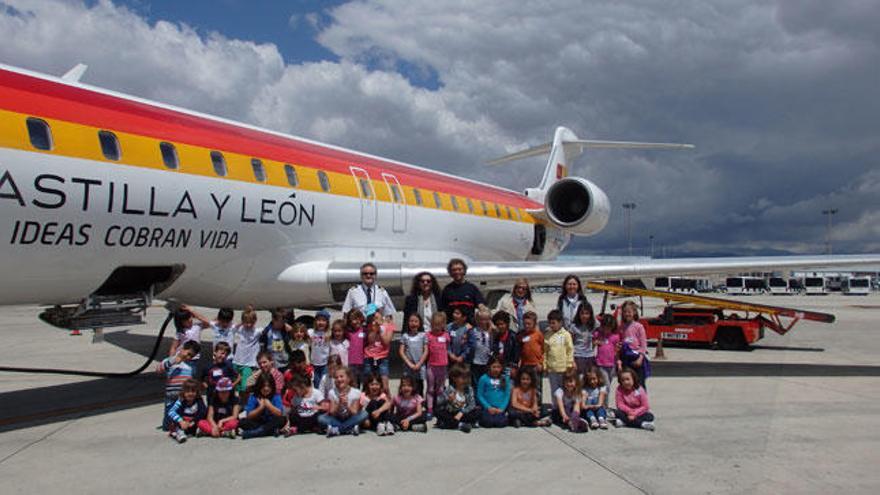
856,286
745,285
682,285
779,286
721,323
110,200
815,286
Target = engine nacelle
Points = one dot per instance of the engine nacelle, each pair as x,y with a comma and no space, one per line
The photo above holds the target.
577,205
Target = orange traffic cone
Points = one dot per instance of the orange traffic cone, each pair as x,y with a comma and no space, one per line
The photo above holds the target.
658,352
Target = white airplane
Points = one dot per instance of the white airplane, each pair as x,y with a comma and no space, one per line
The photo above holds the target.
109,201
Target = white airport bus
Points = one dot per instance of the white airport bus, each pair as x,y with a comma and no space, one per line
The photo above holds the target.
779,286
856,286
815,286
677,284
745,285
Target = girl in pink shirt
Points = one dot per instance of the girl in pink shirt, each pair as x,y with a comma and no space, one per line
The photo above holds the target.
376,349
438,359
356,335
633,333
631,399
607,341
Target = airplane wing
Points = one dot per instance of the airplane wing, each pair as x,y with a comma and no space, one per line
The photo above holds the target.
397,277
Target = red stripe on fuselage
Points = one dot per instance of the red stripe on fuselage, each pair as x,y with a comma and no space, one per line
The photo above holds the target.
34,96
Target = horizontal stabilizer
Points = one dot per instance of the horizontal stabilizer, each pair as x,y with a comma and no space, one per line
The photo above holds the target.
579,145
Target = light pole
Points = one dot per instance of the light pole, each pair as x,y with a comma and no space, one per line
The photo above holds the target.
629,207
651,237
829,213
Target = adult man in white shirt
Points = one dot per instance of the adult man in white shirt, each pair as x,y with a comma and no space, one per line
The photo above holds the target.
368,296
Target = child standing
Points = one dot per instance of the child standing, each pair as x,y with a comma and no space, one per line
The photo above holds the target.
505,343
567,401
438,359
412,351
299,340
558,349
356,335
344,413
244,360
531,351
461,337
582,328
407,407
493,393
275,339
633,333
186,412
375,401
338,343
334,362
222,329
320,342
457,407
306,405
223,409
177,369
525,409
633,409
187,329
606,341
377,348
482,344
263,413
595,399
220,368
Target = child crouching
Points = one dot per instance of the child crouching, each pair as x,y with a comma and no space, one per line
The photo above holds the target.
633,409
187,411
407,409
457,407
378,406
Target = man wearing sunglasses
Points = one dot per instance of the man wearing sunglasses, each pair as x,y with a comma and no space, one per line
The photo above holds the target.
368,296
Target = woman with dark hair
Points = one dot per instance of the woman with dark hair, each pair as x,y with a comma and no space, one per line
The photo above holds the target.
423,299
517,303
571,299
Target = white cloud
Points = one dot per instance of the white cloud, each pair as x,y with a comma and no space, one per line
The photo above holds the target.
780,98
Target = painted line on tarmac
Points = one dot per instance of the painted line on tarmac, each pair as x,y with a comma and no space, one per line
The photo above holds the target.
68,411
596,461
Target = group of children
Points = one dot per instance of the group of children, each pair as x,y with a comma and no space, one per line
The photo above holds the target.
286,379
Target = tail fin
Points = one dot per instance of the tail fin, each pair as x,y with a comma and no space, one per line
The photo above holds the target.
565,147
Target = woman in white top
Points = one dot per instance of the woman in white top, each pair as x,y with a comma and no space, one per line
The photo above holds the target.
517,303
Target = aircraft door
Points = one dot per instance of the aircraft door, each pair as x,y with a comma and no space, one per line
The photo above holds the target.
398,203
365,190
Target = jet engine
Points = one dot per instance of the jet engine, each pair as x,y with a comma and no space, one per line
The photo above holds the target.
577,205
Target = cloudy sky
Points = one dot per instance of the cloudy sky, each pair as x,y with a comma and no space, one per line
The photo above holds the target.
779,97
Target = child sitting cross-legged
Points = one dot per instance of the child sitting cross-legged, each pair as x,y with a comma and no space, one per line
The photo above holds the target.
525,409
633,409
223,409
345,413
305,406
264,414
567,401
493,393
457,407
407,410
378,406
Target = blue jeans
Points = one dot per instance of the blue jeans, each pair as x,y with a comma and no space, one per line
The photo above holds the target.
169,401
488,420
319,372
595,414
375,366
344,425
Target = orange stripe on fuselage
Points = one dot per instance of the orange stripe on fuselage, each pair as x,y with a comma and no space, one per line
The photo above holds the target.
35,96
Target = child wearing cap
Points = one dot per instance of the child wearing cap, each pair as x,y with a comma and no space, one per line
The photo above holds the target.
319,336
223,409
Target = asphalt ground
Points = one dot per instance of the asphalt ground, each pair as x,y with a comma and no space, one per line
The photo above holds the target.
796,413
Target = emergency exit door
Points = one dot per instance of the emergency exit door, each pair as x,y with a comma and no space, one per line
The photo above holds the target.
398,203
367,194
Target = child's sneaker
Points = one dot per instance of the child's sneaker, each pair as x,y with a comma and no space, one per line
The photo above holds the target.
419,427
648,425
617,422
465,427
356,430
603,424
389,428
289,431
544,422
179,435
332,431
380,430
594,424
229,434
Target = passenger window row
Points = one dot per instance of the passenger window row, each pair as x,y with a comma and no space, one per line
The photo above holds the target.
41,138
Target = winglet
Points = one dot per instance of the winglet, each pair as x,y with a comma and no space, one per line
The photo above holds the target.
76,73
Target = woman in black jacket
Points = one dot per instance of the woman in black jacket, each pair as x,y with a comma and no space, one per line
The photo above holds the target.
571,299
423,298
